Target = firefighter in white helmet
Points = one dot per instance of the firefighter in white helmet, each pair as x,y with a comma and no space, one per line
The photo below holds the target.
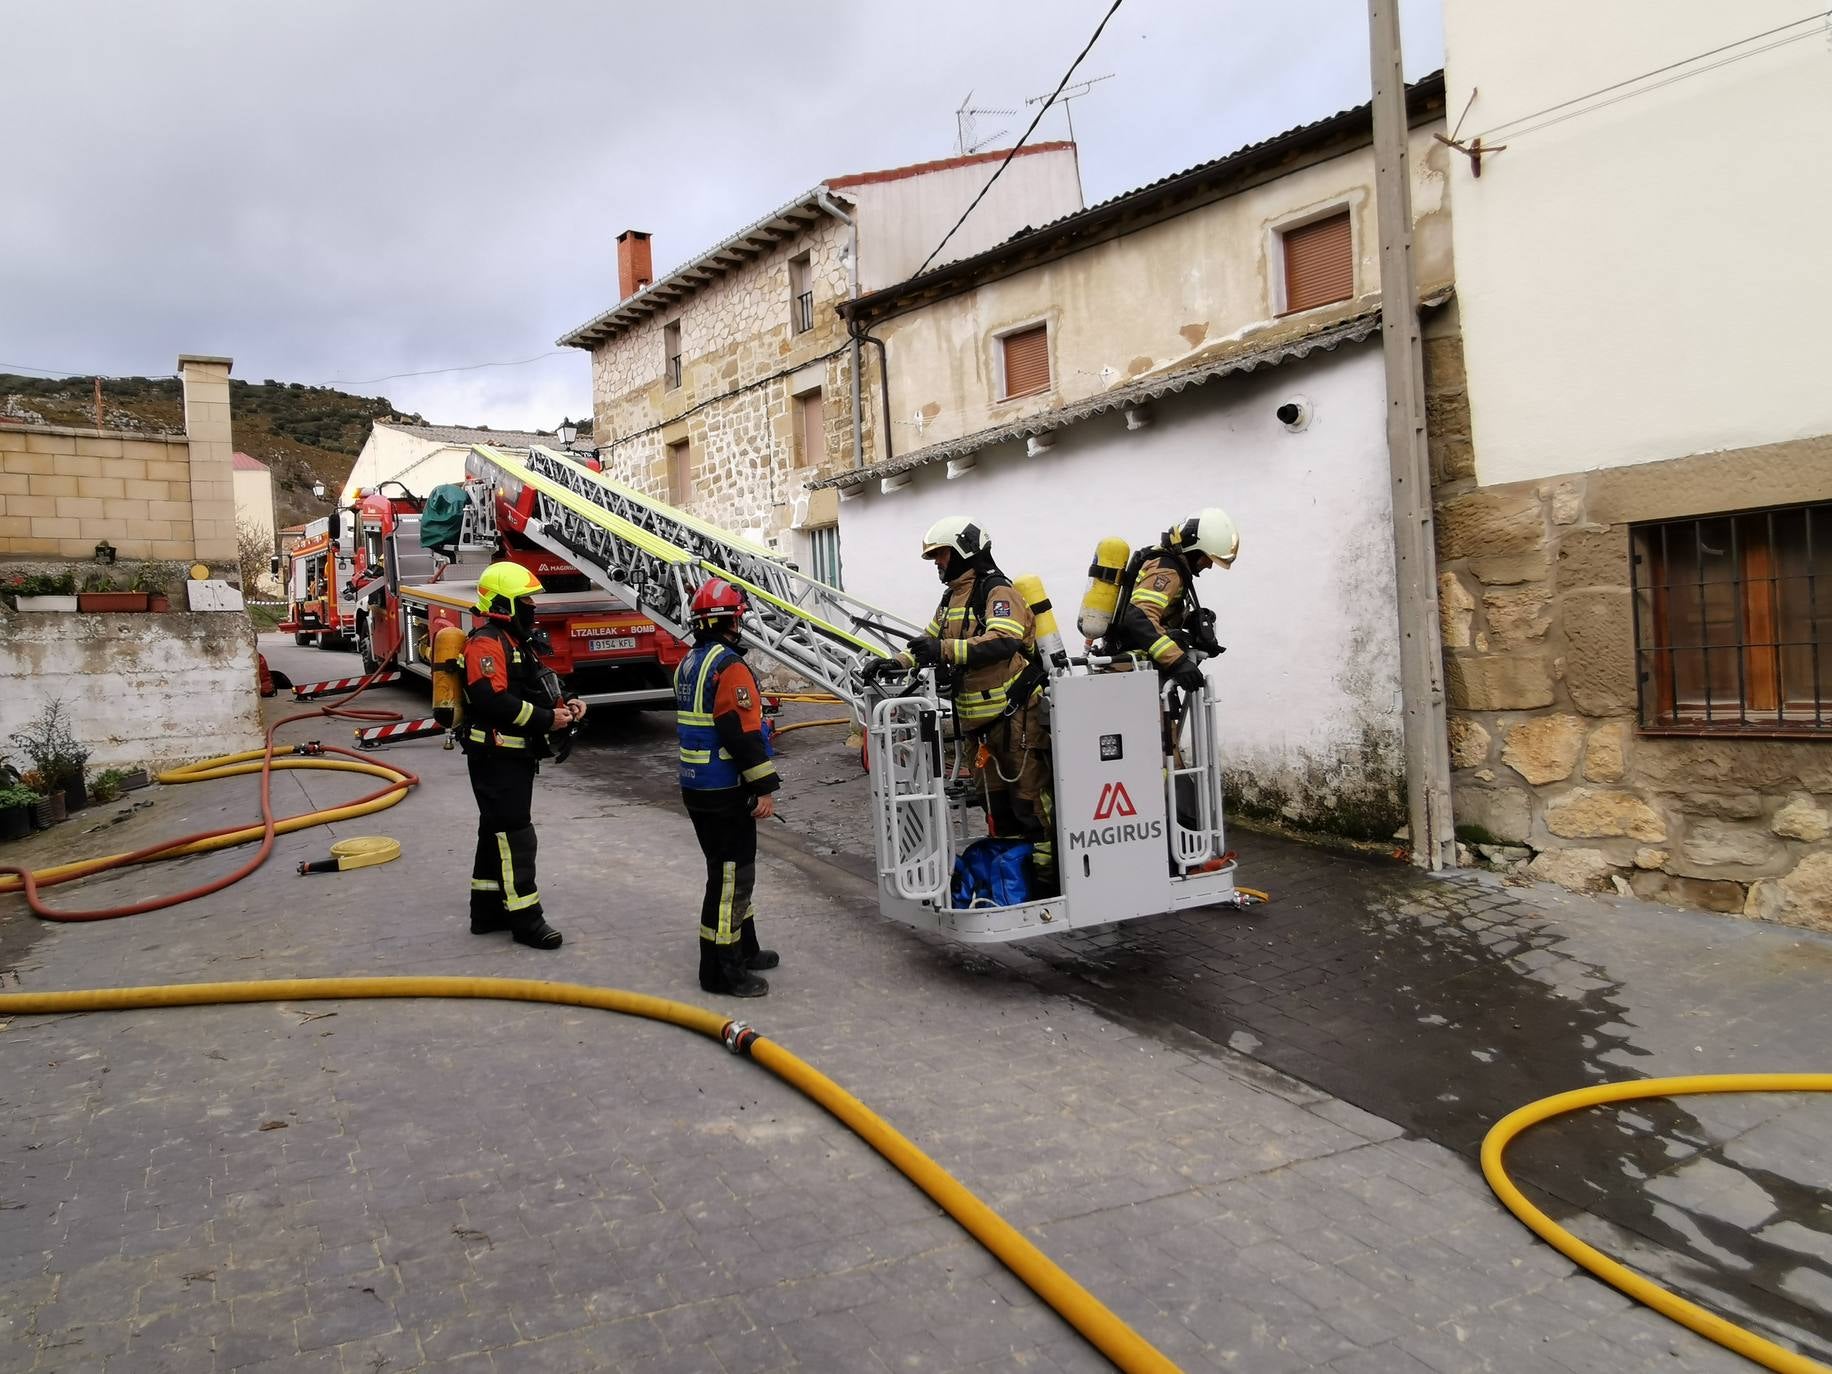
983,632
1158,613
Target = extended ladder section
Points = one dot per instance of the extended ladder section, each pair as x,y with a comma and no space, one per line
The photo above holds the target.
655,557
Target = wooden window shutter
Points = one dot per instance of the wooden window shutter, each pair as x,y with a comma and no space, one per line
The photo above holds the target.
1027,361
1319,263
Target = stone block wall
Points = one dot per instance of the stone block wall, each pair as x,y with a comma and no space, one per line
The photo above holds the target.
742,365
1552,773
152,496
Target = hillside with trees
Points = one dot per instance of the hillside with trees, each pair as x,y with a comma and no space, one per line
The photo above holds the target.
304,433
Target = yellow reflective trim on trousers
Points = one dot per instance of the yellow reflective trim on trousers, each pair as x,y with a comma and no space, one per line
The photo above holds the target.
526,714
1162,648
485,885
762,770
512,900
500,741
728,889
696,756
1146,597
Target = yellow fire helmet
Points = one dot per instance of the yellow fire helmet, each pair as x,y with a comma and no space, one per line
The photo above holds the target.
507,580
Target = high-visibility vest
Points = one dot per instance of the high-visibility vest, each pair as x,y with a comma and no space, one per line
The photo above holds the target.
706,766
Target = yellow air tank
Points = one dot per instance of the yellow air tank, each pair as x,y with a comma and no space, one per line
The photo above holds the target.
1049,638
448,676
1103,594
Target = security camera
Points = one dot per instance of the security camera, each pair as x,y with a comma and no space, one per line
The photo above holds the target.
1295,413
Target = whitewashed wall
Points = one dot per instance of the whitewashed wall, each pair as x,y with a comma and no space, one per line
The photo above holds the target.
1648,280
137,689
1310,682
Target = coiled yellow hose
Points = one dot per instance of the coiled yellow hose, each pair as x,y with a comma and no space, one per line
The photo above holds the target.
1669,1304
1128,1350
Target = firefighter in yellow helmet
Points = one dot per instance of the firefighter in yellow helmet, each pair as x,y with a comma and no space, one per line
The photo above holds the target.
1158,614
983,632
507,717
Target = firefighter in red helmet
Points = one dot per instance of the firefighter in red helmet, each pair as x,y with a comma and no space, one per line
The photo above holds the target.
726,782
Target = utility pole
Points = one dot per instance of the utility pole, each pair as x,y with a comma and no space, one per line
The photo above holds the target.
1415,562
98,402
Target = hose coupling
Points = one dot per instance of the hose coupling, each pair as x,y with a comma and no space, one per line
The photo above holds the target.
738,1037
310,747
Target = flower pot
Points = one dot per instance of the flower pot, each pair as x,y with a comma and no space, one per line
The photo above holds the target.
15,822
158,603
49,811
135,780
47,603
76,795
111,601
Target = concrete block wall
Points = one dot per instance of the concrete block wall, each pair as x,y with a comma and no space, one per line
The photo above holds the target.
152,496
140,690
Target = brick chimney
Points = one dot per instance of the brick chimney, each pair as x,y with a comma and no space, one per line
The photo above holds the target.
635,269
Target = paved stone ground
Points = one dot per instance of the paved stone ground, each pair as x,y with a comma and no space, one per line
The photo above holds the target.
398,1186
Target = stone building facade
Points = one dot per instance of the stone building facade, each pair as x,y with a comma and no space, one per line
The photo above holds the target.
726,385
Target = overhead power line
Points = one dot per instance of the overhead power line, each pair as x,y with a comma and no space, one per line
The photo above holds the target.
333,381
1006,162
1512,128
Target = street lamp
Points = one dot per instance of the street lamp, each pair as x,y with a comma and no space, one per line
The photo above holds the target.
318,490
567,432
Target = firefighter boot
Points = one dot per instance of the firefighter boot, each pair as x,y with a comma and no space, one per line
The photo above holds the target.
755,959
536,933
722,973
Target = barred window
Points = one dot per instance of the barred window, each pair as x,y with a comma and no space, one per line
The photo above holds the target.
1731,612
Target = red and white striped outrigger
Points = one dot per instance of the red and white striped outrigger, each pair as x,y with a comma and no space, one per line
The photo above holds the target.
307,691
423,728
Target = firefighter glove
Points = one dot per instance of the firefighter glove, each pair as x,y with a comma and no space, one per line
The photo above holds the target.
879,668
1187,674
926,650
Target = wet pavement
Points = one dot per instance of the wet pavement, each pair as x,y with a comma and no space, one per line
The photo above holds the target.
1251,1133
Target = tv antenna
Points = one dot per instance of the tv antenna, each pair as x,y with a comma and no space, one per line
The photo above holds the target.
1075,92
966,119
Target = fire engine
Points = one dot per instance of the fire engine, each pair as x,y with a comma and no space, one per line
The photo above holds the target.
404,593
1138,784
316,572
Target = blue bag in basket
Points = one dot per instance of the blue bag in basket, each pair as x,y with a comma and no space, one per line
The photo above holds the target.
992,872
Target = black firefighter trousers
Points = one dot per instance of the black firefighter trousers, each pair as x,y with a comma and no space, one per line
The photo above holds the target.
728,934
503,889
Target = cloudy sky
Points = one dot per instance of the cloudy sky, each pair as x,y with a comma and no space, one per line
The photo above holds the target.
341,190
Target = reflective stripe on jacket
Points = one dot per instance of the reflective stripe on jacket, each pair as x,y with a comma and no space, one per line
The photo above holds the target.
501,688
994,654
1156,611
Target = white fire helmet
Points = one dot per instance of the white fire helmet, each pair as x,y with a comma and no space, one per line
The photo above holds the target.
1208,531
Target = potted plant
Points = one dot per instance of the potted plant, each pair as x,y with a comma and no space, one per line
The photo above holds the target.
56,757
105,786
149,579
18,807
41,591
100,594
47,806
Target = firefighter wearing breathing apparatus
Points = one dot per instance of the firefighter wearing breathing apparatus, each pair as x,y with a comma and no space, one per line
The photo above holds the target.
507,716
726,782
1158,614
983,633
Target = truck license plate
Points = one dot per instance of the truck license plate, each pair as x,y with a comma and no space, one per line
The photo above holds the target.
605,646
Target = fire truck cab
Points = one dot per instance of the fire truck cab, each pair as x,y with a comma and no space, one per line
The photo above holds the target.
317,570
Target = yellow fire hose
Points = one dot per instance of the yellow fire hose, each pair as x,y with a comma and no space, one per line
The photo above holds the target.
1669,1304
810,724
229,766
1128,1350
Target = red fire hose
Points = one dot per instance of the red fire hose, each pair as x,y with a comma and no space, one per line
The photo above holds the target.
296,756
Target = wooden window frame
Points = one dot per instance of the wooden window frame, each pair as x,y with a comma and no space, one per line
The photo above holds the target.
1311,218
673,364
1773,696
1002,341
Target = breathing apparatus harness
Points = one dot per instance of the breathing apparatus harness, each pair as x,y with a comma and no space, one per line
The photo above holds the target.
517,617
1198,628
